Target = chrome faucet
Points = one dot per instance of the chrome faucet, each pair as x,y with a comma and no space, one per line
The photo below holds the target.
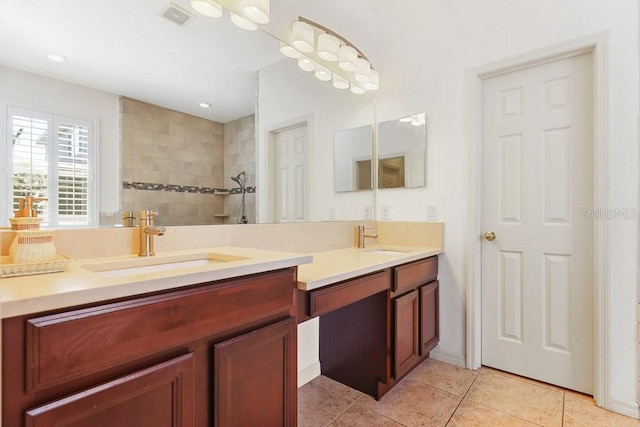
361,235
147,231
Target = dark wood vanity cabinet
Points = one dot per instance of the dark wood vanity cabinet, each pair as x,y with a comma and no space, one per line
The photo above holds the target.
216,354
415,313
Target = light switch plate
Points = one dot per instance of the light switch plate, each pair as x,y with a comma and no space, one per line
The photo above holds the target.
367,212
332,214
386,212
432,212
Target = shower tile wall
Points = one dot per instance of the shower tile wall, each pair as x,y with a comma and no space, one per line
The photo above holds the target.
166,147
240,155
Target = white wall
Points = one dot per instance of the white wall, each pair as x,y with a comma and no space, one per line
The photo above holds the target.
35,92
287,96
425,48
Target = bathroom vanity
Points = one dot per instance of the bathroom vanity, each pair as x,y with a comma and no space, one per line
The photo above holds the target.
217,352
378,324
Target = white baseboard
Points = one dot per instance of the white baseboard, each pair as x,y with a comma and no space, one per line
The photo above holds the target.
308,373
453,359
630,409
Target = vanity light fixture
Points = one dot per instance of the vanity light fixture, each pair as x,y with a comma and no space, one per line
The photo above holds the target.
289,51
246,14
306,64
333,58
340,82
257,10
207,8
302,36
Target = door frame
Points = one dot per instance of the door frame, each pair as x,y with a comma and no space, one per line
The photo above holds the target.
270,165
596,45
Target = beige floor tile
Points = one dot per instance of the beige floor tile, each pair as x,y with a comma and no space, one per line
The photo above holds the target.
317,407
359,415
529,380
532,402
473,414
581,410
413,403
444,376
335,387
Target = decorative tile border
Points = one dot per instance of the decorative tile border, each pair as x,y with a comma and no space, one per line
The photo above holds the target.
182,188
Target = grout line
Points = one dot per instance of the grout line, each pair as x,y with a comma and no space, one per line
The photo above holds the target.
463,396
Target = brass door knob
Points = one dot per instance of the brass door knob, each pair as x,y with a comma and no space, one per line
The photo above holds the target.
490,235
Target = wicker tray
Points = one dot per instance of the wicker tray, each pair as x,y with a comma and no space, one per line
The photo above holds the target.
7,269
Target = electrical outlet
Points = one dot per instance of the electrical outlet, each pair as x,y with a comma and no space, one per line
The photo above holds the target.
332,214
386,212
367,212
432,212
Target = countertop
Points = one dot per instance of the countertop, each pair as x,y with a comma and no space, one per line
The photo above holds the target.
78,285
336,265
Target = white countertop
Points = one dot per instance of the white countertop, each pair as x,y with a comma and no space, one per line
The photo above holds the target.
333,266
78,285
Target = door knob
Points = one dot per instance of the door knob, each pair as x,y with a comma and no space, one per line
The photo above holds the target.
490,235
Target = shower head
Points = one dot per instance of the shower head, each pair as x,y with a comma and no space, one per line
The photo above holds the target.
238,180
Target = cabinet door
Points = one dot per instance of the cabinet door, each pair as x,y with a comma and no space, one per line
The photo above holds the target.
160,396
429,328
406,318
255,380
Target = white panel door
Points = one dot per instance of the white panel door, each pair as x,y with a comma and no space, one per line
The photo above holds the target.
537,188
290,174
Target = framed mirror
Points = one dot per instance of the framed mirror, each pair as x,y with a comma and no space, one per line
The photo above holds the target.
402,152
137,51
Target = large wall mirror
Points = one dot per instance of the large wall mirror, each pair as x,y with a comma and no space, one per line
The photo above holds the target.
139,78
402,152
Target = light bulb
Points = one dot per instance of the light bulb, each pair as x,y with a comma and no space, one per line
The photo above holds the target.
340,82
347,58
302,36
289,51
207,8
328,47
257,10
363,70
305,64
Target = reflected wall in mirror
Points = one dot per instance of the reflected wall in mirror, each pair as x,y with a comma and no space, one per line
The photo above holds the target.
296,146
402,152
352,159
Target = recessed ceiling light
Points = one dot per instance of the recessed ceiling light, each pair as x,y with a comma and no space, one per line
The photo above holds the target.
205,105
56,57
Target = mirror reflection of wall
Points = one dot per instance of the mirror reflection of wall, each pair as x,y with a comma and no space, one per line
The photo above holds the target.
402,152
352,159
317,111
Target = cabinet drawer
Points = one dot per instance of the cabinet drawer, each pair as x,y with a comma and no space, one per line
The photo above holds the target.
65,346
342,294
410,276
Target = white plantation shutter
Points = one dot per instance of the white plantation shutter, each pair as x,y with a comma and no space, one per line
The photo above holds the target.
52,157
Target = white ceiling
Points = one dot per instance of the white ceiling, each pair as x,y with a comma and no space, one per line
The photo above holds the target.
126,47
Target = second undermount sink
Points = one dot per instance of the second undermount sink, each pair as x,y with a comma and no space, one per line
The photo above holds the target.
157,264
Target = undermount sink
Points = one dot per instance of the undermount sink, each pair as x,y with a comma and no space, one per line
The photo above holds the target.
386,251
156,264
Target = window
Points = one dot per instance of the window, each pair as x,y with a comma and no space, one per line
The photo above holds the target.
52,158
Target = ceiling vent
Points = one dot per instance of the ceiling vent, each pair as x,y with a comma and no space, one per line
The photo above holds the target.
176,14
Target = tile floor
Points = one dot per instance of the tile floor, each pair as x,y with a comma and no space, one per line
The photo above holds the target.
439,394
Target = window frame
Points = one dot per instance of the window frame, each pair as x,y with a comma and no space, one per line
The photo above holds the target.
54,120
